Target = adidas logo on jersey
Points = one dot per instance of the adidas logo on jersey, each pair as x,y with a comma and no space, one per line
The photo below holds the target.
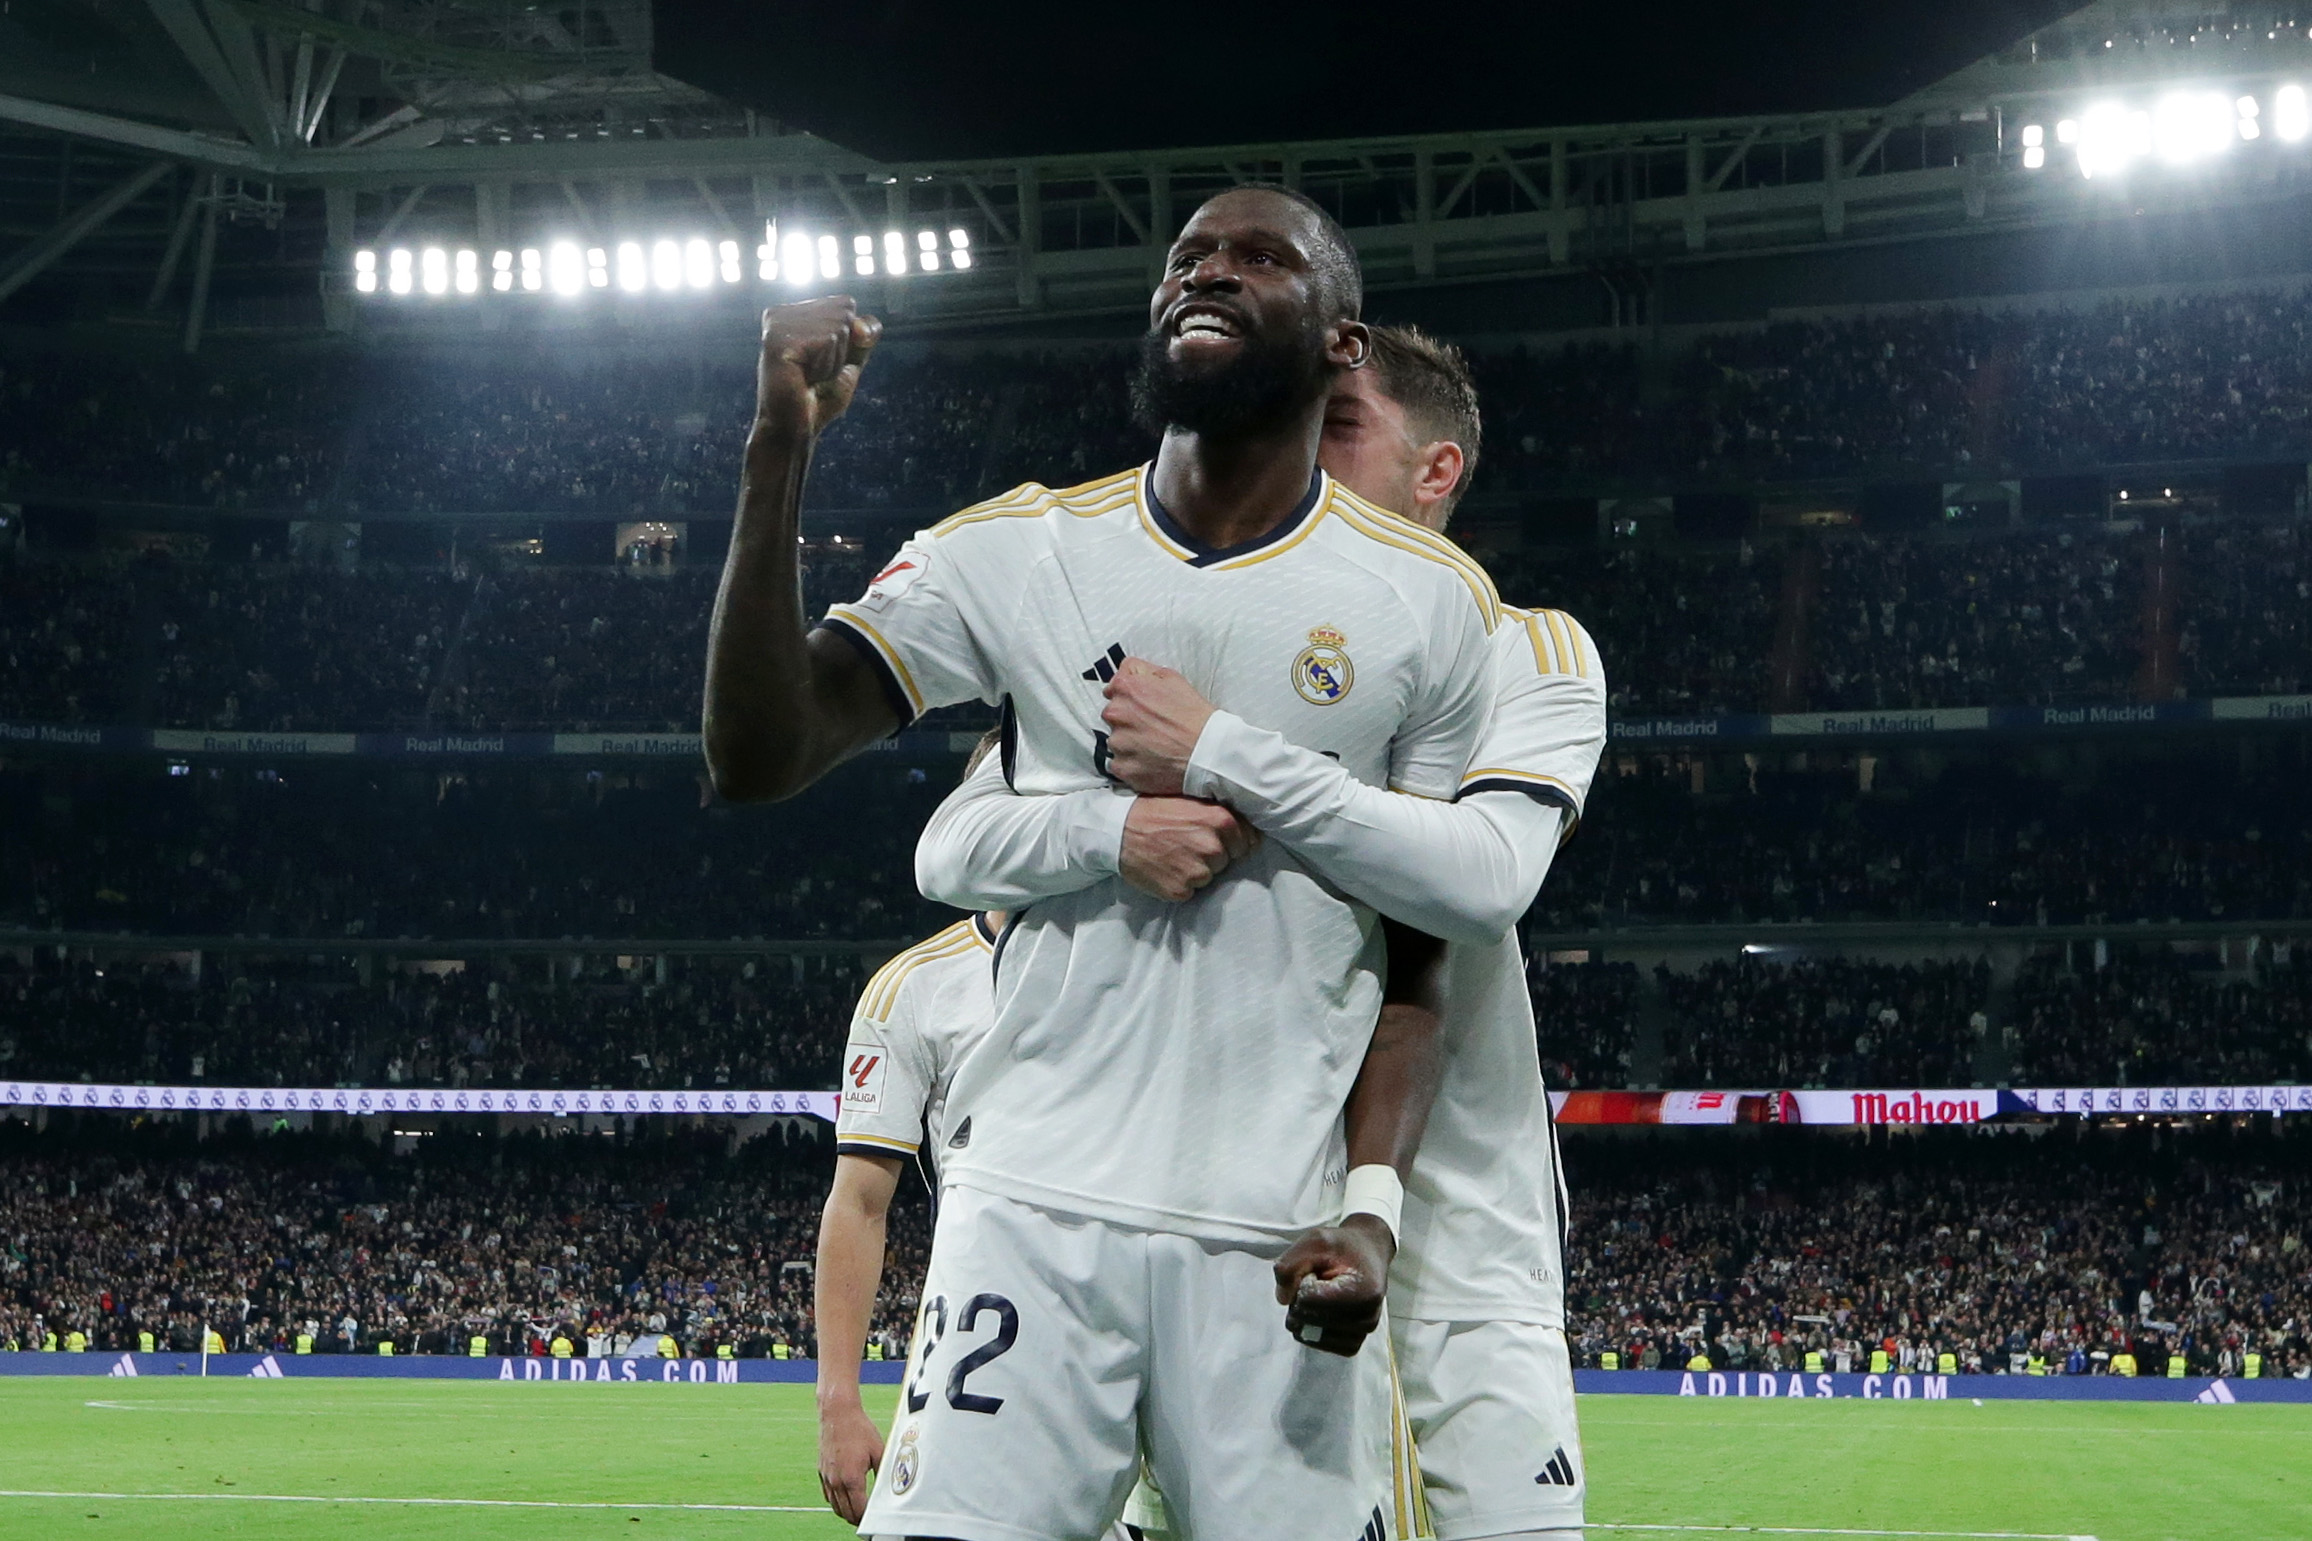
1375,1530
1104,667
962,1136
1558,1472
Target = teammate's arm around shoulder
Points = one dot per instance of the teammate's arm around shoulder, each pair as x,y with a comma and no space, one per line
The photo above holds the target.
848,1272
1333,1280
784,705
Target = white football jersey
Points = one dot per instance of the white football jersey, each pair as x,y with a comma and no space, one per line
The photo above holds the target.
914,1020
1483,1210
1182,1067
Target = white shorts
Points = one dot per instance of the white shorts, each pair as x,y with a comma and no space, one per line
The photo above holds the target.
1054,1349
1491,1404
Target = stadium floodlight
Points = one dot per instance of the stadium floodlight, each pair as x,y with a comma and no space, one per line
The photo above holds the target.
2067,131
397,270
2189,125
830,259
597,268
566,267
433,269
469,272
2034,157
728,251
927,250
365,272
698,262
894,253
863,255
533,270
633,267
501,271
2291,113
766,262
2034,136
2111,138
795,257
959,247
666,264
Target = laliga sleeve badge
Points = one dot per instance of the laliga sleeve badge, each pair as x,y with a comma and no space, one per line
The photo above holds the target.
906,1461
1322,673
897,578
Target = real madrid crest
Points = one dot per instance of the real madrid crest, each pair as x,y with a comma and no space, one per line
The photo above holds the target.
907,1461
1322,673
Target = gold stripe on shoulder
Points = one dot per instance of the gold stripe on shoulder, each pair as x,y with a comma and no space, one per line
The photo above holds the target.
1093,490
875,1000
1544,646
1025,500
849,615
1480,586
1442,546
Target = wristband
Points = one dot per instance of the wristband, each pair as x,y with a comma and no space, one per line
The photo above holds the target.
1375,1189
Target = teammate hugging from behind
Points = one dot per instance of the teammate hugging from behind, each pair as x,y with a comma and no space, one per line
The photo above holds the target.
1477,1294
1185,1110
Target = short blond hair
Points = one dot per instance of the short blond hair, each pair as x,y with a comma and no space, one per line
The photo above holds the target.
1429,378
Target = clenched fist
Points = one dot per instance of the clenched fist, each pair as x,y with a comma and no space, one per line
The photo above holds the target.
1332,1281
813,352
1154,719
1174,846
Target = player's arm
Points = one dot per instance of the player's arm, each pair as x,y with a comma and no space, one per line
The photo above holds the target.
784,704
848,1272
1332,1281
988,848
1464,870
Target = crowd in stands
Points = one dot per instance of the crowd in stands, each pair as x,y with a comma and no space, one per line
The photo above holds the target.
1585,1018
2053,1254
776,1021
1937,391
1831,1022
2039,617
2013,621
768,1024
2148,1019
319,850
1975,840
2044,1251
575,1244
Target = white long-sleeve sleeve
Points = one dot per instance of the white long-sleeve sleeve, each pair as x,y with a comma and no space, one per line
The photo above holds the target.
989,848
1464,871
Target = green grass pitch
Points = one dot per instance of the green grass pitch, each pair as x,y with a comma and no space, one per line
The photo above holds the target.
559,1461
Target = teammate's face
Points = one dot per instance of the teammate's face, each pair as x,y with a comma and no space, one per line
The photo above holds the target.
1370,448
1239,333
1367,448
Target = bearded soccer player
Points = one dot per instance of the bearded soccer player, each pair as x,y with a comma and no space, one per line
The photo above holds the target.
1148,1146
1477,1296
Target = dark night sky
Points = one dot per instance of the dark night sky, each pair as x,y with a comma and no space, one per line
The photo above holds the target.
908,79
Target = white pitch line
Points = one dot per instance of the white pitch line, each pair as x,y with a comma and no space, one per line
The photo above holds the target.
439,1503
1812,1530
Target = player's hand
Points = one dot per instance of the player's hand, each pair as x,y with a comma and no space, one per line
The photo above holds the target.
850,1446
1154,718
1332,1281
1174,846
813,352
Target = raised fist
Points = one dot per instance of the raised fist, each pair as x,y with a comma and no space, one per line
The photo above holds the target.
1332,1281
813,351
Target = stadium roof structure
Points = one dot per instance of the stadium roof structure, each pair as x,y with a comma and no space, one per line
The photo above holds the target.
303,132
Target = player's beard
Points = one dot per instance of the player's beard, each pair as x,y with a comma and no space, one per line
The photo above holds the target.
1271,378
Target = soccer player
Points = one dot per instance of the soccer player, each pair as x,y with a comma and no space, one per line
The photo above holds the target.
1148,1146
1477,1294
915,1019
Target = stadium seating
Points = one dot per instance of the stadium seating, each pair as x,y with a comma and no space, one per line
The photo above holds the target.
1994,1248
